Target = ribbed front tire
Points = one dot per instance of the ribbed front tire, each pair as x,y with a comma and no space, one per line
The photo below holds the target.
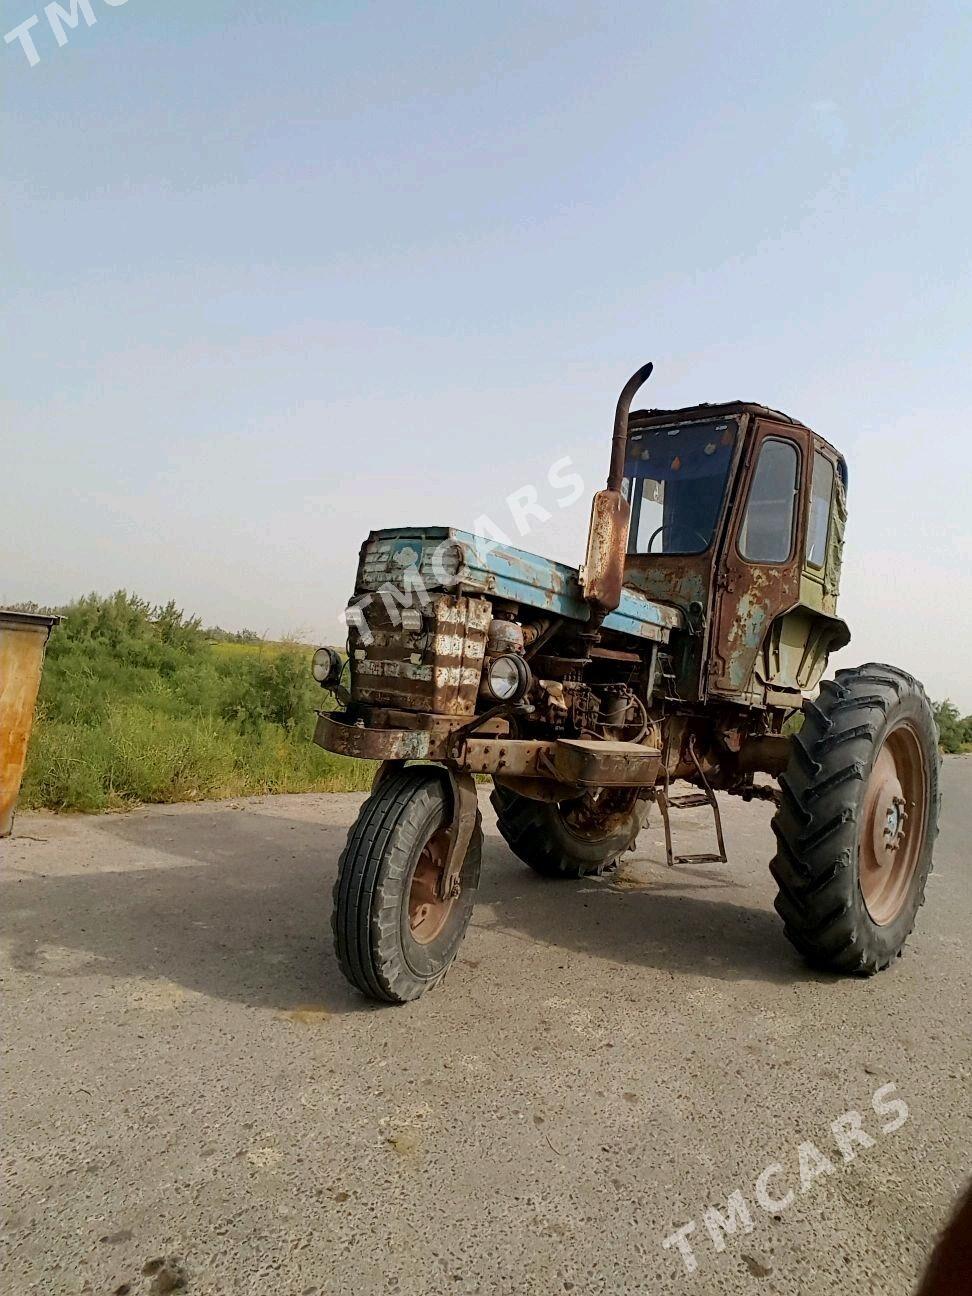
393,936
858,819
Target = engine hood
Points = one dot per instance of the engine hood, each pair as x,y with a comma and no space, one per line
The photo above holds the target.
447,558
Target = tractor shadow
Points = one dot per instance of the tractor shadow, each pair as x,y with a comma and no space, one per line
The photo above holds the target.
678,920
239,909
236,905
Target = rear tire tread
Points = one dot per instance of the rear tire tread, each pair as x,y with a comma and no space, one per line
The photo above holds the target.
536,834
816,824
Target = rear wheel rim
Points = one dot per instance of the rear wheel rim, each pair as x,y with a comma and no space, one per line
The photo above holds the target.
428,913
598,814
894,811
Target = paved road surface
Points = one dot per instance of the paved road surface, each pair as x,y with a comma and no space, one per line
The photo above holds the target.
187,1075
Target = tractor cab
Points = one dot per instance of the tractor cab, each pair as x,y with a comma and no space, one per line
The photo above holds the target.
735,515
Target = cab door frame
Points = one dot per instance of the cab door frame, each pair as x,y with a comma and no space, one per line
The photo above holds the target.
751,595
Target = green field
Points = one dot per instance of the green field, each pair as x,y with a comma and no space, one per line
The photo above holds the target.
140,704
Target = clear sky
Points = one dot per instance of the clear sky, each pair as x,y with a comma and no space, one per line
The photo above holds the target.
277,273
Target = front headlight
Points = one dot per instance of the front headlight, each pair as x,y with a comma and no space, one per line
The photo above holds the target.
326,666
507,678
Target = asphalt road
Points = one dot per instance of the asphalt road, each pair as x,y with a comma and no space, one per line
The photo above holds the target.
188,1078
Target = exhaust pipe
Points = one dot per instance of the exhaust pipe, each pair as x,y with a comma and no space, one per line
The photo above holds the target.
607,540
619,442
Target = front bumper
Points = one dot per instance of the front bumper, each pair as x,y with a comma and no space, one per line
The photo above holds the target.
575,762
347,739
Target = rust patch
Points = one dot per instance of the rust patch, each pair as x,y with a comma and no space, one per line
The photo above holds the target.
606,546
335,734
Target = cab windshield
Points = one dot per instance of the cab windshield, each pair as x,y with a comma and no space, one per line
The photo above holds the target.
674,479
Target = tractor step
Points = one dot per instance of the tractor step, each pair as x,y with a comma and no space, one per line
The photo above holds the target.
684,801
688,799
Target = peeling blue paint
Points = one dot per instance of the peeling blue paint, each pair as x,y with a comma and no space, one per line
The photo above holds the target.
504,572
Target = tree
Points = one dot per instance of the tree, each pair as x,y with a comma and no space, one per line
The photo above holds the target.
955,732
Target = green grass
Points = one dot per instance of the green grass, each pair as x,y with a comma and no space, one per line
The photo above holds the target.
137,705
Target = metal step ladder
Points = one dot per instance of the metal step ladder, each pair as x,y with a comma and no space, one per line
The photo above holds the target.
685,801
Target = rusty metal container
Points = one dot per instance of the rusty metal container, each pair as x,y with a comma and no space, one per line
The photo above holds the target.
23,639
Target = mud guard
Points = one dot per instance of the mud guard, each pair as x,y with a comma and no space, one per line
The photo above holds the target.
461,789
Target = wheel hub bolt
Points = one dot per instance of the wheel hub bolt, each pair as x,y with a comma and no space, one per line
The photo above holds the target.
894,823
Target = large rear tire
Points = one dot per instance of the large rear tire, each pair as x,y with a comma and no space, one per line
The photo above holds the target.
571,839
394,936
857,820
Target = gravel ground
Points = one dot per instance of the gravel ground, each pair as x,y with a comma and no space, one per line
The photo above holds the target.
194,1099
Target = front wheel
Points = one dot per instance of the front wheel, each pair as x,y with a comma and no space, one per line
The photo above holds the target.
858,819
394,936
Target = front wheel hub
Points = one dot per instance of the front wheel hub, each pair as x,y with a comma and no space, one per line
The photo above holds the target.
428,911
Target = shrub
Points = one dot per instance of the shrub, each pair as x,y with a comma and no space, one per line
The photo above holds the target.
138,705
954,732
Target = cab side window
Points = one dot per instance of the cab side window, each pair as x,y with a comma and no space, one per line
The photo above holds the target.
766,534
821,495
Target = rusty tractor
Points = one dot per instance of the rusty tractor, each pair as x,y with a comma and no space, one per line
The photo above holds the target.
699,625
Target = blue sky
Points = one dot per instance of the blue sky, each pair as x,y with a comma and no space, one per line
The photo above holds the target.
275,274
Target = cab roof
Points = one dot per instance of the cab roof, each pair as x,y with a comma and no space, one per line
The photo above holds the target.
728,409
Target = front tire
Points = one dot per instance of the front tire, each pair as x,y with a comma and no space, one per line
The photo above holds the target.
858,819
569,839
393,936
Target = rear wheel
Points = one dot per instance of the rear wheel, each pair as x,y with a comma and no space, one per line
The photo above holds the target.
858,819
569,839
394,935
